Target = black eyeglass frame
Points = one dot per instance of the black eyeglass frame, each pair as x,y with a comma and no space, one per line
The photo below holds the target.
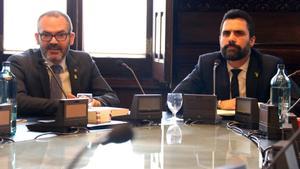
60,36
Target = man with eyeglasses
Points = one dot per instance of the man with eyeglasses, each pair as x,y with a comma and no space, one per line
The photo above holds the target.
38,91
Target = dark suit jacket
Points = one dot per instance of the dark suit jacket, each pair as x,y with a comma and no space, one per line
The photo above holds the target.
33,91
261,69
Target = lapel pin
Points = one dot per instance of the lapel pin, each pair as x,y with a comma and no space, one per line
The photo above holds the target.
75,74
256,74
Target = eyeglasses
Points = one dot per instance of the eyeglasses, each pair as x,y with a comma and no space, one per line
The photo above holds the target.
47,37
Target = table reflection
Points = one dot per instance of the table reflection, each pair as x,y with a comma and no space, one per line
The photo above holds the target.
174,134
201,146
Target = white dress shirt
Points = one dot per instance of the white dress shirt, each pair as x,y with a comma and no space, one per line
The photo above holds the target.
241,77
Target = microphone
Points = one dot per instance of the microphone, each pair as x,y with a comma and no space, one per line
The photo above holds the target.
294,73
119,134
294,105
216,64
139,112
121,63
45,63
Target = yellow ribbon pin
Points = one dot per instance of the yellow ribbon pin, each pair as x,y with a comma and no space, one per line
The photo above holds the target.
75,75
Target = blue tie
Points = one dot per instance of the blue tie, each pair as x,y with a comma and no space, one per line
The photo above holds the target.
234,85
54,88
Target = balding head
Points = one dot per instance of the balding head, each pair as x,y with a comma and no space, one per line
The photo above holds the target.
56,14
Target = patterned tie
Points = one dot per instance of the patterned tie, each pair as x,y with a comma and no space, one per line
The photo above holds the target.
234,85
54,88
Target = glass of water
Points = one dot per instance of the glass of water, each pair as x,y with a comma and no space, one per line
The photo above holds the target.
174,102
87,96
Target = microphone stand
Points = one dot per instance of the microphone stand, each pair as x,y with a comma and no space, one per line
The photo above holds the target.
297,101
136,79
216,64
118,134
53,75
294,73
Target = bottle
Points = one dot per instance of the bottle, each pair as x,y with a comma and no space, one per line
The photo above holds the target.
8,92
281,93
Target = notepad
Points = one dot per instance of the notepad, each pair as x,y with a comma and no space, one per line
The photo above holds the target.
225,112
97,115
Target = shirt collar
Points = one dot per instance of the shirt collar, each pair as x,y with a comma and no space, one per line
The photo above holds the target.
62,63
244,67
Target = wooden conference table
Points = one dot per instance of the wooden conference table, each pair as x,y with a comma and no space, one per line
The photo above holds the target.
202,146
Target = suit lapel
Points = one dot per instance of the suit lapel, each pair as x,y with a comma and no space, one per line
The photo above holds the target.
74,73
43,75
222,81
253,74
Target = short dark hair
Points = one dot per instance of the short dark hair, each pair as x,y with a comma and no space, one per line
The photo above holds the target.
57,14
237,13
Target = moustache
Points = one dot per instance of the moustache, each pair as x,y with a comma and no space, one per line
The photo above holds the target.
53,47
232,45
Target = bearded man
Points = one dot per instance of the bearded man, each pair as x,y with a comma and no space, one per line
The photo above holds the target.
242,70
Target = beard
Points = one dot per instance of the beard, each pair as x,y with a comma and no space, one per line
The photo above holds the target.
54,52
235,52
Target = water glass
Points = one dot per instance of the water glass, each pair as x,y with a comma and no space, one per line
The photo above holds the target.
174,102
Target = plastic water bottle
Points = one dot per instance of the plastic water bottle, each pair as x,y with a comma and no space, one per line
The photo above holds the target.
281,93
8,92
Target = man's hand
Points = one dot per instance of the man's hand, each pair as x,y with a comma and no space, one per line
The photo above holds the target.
227,104
70,96
96,103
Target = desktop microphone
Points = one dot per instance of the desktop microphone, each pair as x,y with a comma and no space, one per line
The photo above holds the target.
294,73
45,63
202,107
143,106
119,134
216,64
70,113
121,63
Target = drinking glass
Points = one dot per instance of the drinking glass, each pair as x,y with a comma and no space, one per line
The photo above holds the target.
174,101
87,96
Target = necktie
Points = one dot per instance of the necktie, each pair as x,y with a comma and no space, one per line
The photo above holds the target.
234,85
54,88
